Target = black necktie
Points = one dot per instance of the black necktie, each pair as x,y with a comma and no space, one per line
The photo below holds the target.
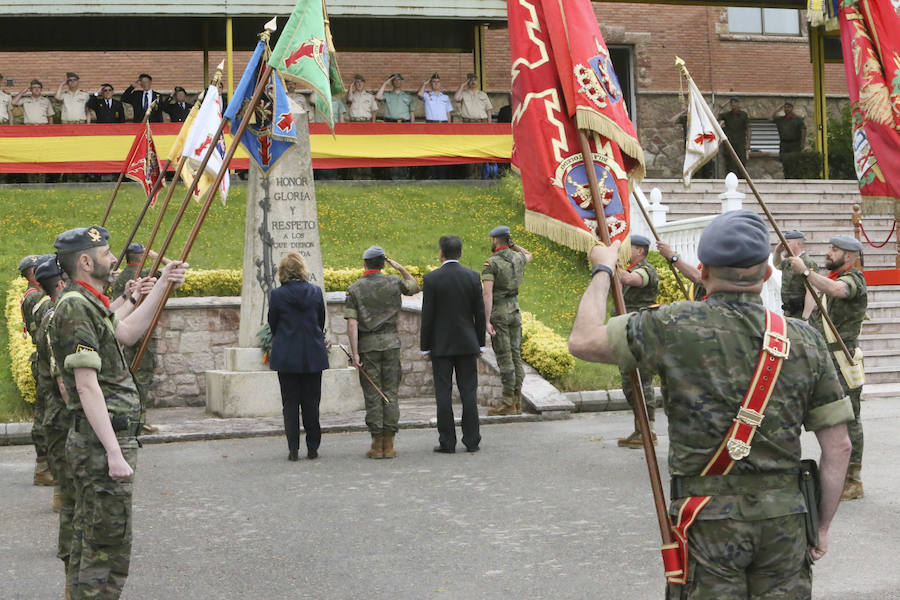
146,100
109,104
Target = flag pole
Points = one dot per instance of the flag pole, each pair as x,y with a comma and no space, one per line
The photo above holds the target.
125,167
137,224
658,239
639,406
210,195
812,292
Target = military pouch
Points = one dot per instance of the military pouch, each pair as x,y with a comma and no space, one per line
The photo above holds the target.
809,488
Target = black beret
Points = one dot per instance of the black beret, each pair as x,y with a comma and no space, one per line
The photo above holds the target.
47,269
845,242
738,238
640,240
29,262
135,248
81,238
794,234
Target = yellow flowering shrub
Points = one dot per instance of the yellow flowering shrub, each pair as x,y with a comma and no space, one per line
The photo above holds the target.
212,282
668,288
544,349
20,348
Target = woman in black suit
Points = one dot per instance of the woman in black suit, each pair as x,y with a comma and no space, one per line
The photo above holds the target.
297,320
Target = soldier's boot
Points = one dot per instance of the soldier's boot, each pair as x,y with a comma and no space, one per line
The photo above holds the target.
57,499
635,440
388,445
42,474
149,429
377,449
508,407
853,487
518,402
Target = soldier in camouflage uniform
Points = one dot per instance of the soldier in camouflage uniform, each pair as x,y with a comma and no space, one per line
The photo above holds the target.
696,291
143,377
34,296
793,292
56,414
640,287
373,303
750,540
501,277
844,297
101,448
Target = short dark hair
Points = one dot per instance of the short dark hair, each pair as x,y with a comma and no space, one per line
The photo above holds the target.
142,75
68,262
741,276
451,247
374,263
49,285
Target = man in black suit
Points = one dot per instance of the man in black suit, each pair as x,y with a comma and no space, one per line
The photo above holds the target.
107,108
140,100
177,106
453,330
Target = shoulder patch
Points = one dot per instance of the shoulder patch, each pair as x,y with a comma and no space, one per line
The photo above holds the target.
84,348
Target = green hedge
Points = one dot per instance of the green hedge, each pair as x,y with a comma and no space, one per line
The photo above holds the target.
20,346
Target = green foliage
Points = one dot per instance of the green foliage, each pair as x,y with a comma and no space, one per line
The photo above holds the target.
806,164
20,346
668,288
210,282
840,146
545,350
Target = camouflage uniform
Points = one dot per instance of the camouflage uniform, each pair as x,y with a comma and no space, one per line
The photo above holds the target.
847,314
82,334
636,298
793,291
56,427
374,301
33,297
143,377
506,268
749,541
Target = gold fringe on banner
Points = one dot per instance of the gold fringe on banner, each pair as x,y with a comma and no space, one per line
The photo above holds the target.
587,118
561,233
880,206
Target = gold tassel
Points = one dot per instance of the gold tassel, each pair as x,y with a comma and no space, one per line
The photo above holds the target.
586,118
561,233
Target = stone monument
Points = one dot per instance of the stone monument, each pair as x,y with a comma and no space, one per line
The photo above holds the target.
281,218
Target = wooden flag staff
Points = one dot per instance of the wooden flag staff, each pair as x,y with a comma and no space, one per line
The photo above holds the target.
640,405
775,227
137,224
125,167
658,239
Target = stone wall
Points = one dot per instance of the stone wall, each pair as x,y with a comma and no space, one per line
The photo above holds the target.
193,333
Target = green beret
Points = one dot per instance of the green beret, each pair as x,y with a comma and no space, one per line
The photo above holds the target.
640,240
81,238
738,238
499,231
29,262
845,242
373,252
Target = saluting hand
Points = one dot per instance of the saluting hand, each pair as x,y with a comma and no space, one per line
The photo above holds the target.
392,262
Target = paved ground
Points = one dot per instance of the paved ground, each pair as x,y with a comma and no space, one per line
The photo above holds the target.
546,510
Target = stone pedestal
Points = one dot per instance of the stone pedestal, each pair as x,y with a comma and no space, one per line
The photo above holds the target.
281,218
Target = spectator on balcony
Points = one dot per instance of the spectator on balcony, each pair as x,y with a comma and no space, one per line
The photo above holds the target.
363,105
5,101
338,110
38,110
74,101
105,107
177,106
437,103
141,99
474,104
791,131
398,105
736,125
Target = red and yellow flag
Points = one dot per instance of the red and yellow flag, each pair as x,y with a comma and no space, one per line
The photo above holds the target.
870,36
563,80
143,165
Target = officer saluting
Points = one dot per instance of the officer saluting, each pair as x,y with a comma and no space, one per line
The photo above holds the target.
85,338
501,277
740,490
793,292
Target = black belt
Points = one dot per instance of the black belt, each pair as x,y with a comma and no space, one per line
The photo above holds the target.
731,485
386,120
122,425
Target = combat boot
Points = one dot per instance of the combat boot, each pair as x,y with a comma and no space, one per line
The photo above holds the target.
377,449
42,474
518,403
57,499
853,487
507,408
387,442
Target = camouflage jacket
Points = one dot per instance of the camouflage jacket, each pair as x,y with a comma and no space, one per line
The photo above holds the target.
82,335
506,268
374,301
705,354
847,313
32,296
125,275
641,296
793,291
45,385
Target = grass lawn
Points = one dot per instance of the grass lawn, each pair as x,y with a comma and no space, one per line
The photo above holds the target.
406,219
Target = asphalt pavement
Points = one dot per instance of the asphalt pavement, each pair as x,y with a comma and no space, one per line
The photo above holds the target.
548,509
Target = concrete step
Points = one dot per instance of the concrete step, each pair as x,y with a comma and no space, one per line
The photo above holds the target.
883,293
882,358
883,310
881,391
883,375
881,326
879,341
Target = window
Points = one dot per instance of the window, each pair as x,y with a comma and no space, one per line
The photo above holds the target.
764,21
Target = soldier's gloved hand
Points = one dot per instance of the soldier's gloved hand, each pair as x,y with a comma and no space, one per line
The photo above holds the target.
174,272
119,469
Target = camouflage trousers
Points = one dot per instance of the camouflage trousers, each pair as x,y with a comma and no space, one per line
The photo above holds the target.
507,345
101,530
57,431
38,437
746,559
646,385
383,366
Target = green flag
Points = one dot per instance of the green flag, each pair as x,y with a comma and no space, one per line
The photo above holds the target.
303,54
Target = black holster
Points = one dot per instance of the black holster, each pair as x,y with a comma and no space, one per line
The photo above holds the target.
809,487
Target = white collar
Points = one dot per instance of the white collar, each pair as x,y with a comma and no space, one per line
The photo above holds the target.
450,260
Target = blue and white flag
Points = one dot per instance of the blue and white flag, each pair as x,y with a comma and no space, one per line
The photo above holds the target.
271,129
